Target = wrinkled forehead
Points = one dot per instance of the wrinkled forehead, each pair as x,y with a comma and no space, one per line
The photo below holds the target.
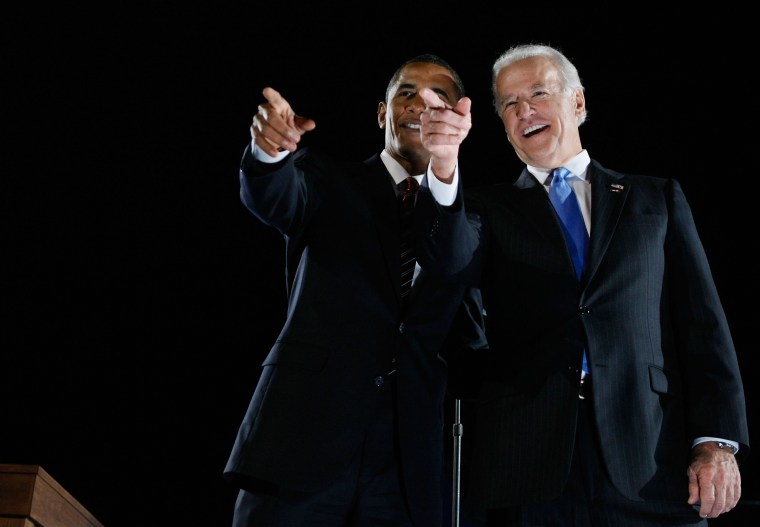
527,75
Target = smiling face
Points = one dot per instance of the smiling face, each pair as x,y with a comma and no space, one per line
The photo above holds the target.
400,113
540,118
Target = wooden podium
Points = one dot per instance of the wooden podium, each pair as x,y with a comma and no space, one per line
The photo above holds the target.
29,497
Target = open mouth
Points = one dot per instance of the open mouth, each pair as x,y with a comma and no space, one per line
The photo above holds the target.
533,130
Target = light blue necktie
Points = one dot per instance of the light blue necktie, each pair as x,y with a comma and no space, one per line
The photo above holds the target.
573,227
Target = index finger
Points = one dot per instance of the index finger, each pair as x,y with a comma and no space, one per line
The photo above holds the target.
432,99
274,98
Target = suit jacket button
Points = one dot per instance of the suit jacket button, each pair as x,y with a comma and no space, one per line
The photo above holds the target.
401,328
379,381
583,310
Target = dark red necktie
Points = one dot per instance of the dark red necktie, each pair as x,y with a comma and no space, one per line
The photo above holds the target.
407,194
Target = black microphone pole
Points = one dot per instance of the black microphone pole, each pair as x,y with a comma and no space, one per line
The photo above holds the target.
456,484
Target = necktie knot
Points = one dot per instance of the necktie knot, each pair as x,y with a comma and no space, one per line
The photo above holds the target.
559,183
409,185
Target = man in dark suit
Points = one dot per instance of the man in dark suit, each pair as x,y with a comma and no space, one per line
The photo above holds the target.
345,425
610,392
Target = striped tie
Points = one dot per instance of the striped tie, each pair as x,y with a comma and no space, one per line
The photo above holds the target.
407,193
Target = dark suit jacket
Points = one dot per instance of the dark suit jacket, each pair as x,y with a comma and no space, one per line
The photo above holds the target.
647,312
345,324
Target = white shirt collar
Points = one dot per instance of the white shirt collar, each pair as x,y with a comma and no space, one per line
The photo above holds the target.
576,165
397,172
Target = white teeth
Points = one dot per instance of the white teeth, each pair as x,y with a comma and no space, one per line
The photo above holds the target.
413,126
533,128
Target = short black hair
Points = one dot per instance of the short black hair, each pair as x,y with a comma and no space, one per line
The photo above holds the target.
429,58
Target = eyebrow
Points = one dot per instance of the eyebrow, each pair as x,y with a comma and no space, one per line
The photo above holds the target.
406,86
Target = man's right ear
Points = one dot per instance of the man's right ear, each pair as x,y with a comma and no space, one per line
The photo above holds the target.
381,108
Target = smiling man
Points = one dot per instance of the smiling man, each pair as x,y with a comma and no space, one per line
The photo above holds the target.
611,391
345,425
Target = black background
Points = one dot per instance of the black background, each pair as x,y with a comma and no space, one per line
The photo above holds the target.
140,297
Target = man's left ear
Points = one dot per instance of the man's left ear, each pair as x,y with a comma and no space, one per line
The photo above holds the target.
580,102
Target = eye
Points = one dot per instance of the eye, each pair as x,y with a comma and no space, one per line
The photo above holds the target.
443,94
508,104
406,93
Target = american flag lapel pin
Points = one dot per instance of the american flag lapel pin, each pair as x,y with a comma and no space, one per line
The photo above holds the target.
615,187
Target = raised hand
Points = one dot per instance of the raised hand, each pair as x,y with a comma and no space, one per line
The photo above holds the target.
443,128
276,127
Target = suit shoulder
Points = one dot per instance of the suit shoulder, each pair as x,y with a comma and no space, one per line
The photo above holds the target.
647,180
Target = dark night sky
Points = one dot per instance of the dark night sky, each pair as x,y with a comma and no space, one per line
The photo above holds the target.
140,296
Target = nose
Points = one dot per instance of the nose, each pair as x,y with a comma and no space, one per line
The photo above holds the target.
415,104
524,109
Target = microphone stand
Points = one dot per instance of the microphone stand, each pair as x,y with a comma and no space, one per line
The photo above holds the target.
456,483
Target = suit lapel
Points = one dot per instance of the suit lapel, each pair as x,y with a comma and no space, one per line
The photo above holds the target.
609,192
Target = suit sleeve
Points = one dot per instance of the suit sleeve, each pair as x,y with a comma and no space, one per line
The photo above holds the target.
716,405
283,194
448,238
